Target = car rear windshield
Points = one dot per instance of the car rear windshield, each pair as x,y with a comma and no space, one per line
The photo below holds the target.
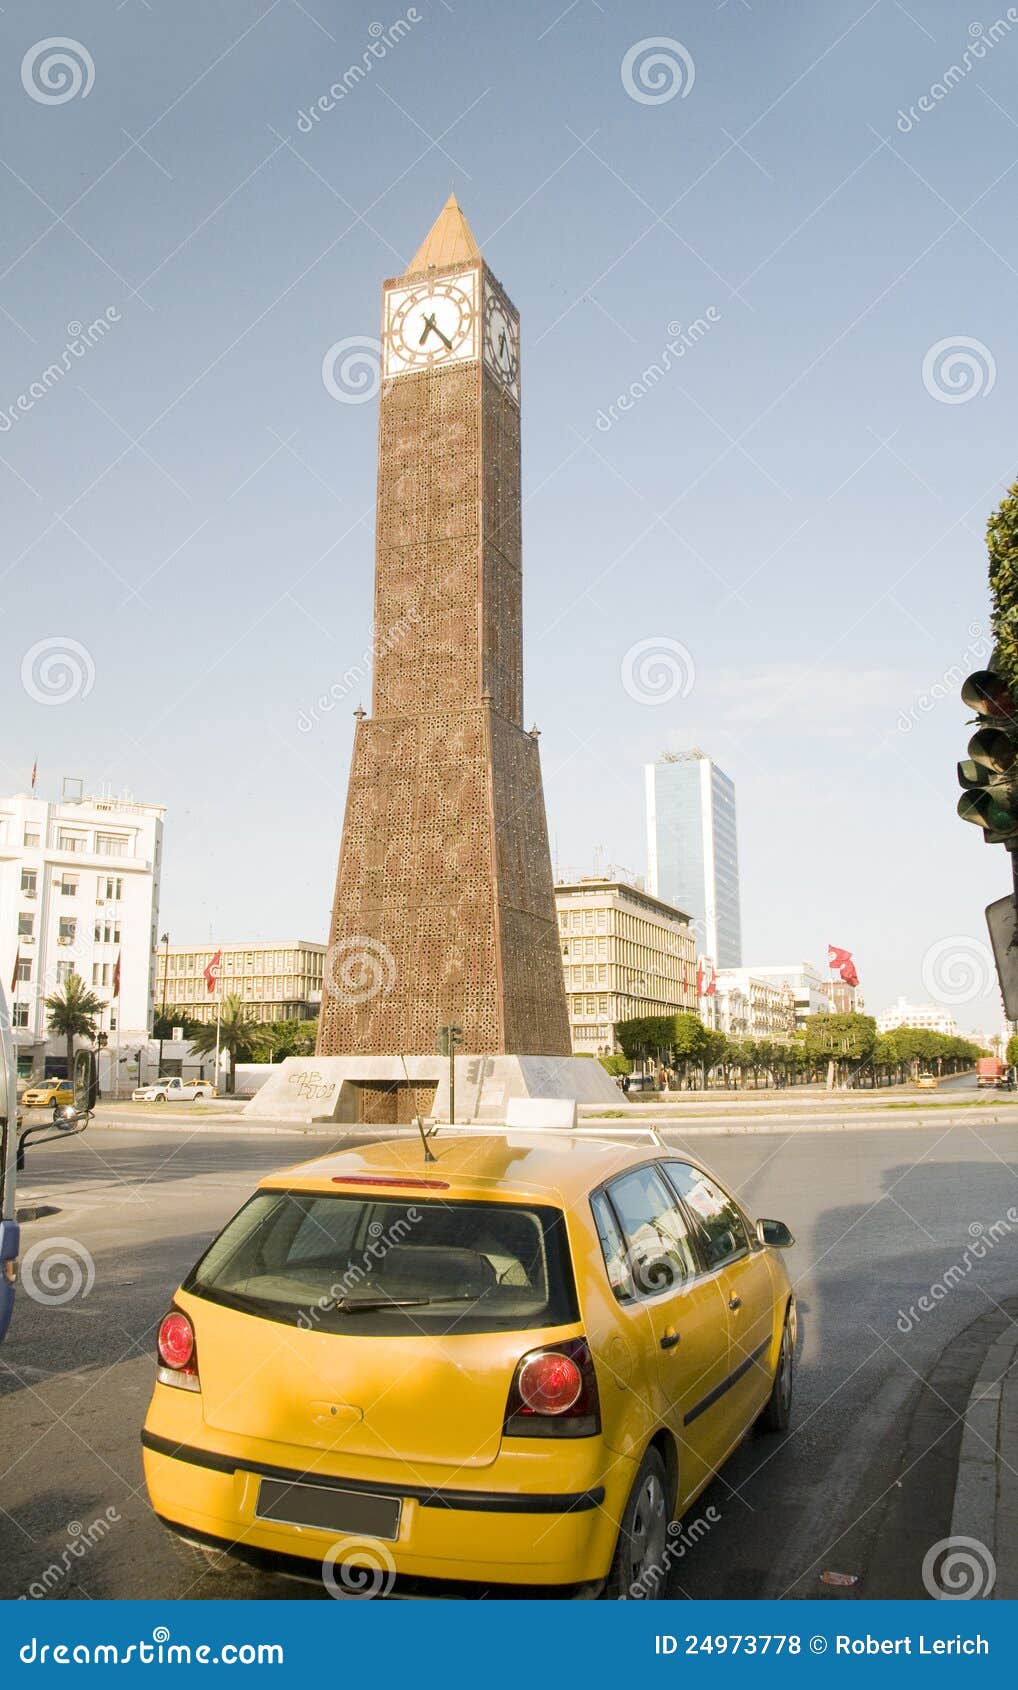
381,1266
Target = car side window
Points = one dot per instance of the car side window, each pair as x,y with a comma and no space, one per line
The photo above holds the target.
717,1216
613,1249
658,1246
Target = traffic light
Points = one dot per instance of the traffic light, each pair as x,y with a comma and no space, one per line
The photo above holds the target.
989,774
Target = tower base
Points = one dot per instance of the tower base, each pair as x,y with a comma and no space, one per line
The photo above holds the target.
373,1090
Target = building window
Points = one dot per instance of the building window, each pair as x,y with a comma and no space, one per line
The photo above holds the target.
31,837
67,929
109,889
23,971
111,844
26,925
19,1016
29,882
67,886
64,971
71,841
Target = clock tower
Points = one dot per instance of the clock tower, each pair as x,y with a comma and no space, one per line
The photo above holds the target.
444,909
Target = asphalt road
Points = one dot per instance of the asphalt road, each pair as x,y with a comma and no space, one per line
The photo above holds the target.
860,1486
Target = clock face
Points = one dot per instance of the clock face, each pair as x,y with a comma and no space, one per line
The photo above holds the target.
434,322
502,343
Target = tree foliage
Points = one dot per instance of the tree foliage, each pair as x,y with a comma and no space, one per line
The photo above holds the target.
73,1009
1002,544
239,1034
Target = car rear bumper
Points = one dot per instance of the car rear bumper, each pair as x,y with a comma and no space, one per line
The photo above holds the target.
446,1532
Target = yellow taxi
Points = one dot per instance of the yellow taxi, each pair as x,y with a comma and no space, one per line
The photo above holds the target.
516,1363
48,1094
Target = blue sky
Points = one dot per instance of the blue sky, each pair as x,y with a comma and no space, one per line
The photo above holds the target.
795,508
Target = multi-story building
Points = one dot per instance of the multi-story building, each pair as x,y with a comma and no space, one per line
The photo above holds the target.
751,1007
810,989
931,1016
279,981
692,849
845,999
624,954
79,894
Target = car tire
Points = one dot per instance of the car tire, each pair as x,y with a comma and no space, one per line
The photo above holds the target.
639,1564
777,1413
160,1097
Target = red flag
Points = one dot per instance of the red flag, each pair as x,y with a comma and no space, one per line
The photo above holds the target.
842,961
17,965
212,971
706,979
116,978
35,771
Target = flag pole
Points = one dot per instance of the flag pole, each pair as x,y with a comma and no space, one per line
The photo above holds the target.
219,1018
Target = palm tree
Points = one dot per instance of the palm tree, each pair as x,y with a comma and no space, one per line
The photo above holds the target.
239,1033
72,1013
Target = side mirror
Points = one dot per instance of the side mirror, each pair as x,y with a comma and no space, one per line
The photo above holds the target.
85,1085
775,1233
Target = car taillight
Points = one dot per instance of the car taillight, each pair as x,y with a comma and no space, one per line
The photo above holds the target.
554,1393
178,1357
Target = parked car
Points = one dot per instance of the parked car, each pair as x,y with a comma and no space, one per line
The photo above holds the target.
48,1094
928,1082
516,1364
172,1090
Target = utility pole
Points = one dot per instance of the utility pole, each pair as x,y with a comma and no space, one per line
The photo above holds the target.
450,1037
165,942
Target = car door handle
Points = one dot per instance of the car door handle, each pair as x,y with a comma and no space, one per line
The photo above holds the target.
669,1338
734,1303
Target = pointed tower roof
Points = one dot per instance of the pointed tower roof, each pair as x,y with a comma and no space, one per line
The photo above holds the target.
447,242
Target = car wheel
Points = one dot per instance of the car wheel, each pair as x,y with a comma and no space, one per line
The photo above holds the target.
639,1564
160,1097
777,1413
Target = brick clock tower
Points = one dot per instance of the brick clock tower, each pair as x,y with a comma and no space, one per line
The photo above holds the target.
444,909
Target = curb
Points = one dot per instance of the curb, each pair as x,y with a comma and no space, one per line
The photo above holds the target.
985,1493
234,1126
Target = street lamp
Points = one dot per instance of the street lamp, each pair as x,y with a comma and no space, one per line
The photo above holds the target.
164,940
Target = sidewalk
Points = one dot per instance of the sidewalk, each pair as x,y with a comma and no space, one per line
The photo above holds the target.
986,1494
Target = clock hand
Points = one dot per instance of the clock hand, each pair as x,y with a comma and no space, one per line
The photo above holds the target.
429,325
501,345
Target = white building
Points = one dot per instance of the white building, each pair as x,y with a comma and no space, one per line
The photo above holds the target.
811,991
931,1016
278,980
79,892
624,954
752,1007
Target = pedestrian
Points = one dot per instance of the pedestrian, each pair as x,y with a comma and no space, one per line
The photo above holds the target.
625,1084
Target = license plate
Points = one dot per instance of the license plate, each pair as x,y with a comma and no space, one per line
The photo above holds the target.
360,1513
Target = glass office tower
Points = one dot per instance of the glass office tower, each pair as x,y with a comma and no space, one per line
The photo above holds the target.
692,850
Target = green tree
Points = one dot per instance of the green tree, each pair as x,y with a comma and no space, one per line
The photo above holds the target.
1002,544
239,1034
280,1039
845,1041
1011,1054
616,1064
72,1012
166,1018
689,1041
